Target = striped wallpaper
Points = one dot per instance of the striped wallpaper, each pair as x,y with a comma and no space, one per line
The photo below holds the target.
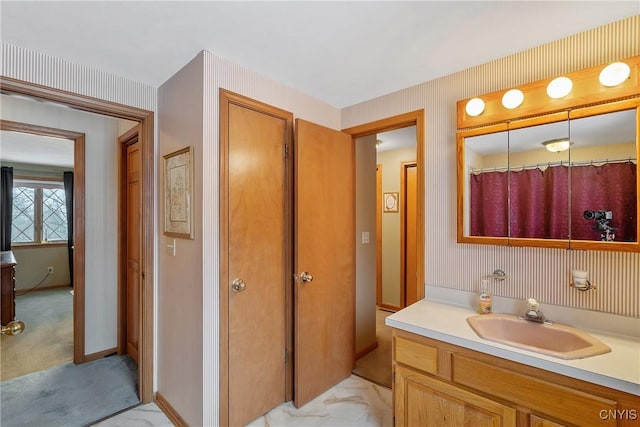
24,64
534,272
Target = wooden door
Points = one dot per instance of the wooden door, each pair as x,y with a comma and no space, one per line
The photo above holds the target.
420,400
133,246
409,233
324,248
259,266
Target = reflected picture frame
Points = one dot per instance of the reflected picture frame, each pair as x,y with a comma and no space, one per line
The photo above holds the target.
178,193
390,202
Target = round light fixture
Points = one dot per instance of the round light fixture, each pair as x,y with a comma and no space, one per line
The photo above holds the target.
474,107
559,87
614,74
557,145
512,98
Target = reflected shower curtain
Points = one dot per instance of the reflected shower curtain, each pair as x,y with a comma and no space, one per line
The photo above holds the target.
610,187
539,202
489,208
6,208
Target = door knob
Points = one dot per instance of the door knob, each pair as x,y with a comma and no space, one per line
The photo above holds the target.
305,277
238,285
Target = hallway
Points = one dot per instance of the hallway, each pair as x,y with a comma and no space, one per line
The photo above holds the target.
375,366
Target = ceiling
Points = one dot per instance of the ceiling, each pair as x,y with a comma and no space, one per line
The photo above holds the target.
612,128
340,52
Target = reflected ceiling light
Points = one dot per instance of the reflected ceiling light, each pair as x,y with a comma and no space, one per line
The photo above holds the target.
512,98
614,74
557,145
474,107
559,87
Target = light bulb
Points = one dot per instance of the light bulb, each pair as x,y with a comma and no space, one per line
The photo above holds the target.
512,98
614,74
474,107
559,87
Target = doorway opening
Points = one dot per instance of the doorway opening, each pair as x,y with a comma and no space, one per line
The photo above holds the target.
392,276
145,320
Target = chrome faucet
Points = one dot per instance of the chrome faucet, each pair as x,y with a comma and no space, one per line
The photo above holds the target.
533,313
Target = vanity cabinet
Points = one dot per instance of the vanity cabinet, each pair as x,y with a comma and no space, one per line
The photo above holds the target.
440,384
422,400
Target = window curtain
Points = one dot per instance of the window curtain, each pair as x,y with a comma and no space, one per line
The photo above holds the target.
6,210
539,201
68,194
610,187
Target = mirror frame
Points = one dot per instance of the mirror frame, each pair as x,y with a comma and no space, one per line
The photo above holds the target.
588,98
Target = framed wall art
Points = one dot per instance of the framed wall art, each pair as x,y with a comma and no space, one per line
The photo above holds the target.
178,193
390,201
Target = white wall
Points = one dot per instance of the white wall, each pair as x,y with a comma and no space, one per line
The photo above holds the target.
180,285
365,252
101,212
534,272
391,162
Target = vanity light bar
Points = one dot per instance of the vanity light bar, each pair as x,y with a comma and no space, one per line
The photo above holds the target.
570,90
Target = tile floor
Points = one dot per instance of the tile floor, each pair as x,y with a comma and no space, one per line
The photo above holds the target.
353,402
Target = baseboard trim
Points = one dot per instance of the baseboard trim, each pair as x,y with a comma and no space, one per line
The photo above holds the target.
168,410
367,349
388,307
99,355
42,288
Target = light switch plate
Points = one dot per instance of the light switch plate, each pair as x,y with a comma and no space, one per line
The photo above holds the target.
365,238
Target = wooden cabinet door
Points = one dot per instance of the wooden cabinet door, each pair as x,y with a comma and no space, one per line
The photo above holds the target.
420,400
536,421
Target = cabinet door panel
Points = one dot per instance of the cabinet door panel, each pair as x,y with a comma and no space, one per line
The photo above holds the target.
424,401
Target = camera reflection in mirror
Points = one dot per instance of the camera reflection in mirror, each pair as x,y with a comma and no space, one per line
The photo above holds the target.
602,219
604,177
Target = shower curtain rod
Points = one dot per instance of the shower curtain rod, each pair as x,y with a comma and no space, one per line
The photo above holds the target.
549,164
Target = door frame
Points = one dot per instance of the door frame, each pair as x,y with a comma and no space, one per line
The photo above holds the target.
417,119
227,97
403,231
124,141
146,137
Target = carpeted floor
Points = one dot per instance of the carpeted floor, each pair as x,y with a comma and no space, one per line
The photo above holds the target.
47,339
375,366
70,395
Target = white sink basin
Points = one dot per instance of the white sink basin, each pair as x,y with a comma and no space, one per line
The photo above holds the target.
558,340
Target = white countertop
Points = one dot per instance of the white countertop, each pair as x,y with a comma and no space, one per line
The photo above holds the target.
619,369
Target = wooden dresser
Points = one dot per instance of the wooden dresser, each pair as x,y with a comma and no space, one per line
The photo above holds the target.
8,306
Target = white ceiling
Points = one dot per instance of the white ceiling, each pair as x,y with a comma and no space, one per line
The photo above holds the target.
340,52
32,149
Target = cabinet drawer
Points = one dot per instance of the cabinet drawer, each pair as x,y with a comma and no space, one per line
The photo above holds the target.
416,355
541,396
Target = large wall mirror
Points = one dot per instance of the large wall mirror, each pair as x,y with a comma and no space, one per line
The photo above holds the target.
566,178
